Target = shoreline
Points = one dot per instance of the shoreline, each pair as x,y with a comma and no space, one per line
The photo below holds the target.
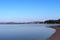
56,35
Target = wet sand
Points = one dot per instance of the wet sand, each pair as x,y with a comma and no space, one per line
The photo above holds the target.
56,35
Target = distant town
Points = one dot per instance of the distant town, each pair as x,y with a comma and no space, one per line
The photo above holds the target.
35,22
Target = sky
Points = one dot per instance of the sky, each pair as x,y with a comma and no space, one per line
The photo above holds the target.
29,10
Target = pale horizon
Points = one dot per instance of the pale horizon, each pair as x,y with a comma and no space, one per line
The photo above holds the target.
29,10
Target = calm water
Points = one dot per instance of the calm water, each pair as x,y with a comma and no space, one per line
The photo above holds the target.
26,31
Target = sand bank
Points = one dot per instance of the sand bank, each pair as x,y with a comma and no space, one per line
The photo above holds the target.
56,35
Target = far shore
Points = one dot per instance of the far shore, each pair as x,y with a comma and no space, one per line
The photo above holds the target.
35,22
26,23
56,35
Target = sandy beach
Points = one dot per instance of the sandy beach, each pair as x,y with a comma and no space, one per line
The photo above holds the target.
56,35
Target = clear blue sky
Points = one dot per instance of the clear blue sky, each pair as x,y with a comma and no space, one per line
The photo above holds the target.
29,10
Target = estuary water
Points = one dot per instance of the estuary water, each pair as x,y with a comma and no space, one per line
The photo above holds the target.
26,31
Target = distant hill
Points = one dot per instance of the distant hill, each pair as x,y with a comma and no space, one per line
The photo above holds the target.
35,22
52,21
